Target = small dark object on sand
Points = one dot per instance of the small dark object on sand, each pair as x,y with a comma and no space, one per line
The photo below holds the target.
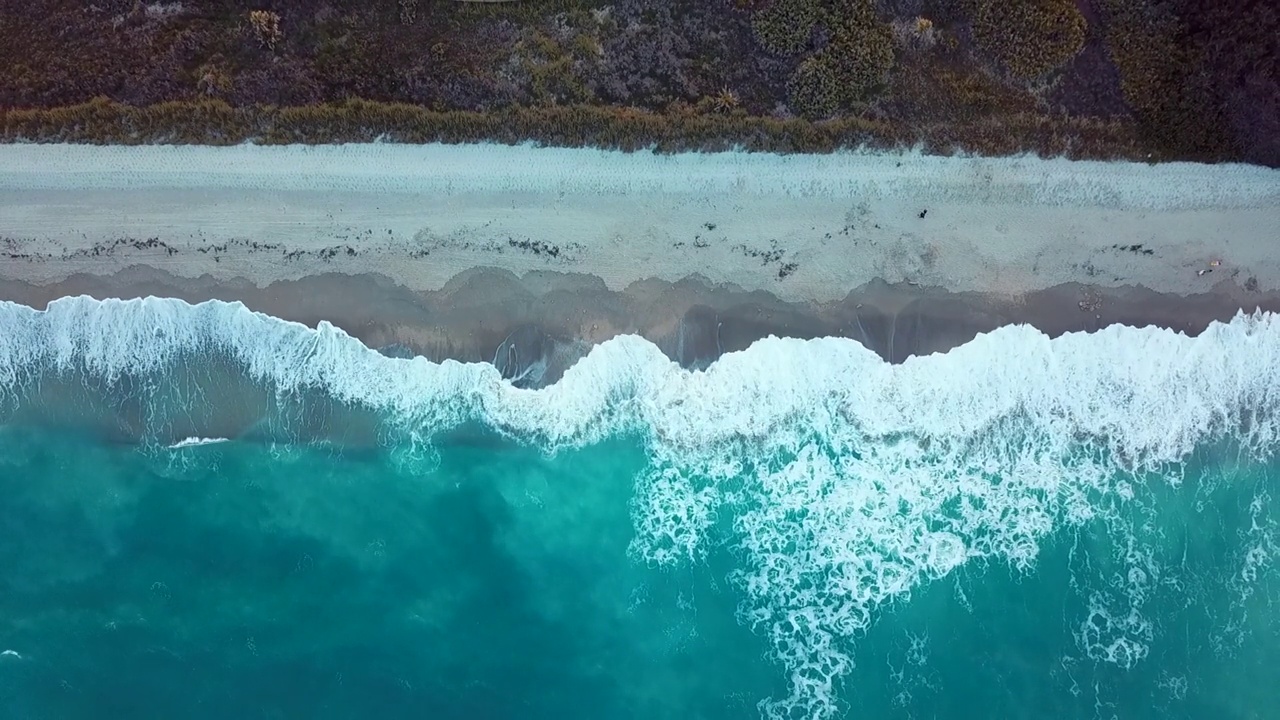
1202,272
923,213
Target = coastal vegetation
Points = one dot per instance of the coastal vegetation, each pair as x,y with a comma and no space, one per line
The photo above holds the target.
216,122
1145,79
1029,37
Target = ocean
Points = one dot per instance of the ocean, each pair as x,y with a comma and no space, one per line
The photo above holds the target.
207,512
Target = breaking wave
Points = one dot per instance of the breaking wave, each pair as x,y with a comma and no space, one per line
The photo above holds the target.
844,482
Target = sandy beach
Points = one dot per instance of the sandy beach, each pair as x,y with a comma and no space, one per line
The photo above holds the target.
447,250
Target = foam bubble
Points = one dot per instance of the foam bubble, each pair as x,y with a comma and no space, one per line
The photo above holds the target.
196,442
848,483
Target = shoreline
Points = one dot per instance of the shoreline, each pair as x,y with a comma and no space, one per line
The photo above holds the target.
691,321
446,251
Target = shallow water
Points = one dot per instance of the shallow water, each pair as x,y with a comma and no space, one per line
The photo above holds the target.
1082,527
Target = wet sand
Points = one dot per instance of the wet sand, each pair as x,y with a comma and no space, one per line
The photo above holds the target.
556,317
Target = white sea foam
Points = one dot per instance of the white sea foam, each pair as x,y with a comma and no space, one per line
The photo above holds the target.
196,442
850,482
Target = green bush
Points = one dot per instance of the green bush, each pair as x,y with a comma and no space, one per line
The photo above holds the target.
1029,37
861,50
784,27
852,66
814,89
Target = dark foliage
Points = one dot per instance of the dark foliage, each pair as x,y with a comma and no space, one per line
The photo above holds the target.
1029,37
1089,85
1238,42
786,27
655,52
216,122
1164,82
814,89
849,51
1189,79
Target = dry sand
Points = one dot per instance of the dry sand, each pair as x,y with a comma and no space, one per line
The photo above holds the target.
802,227
445,250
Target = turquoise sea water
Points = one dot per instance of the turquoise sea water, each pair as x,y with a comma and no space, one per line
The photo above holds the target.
1024,528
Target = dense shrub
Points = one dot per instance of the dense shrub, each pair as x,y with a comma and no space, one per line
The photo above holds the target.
216,122
929,88
784,28
1201,77
645,57
1238,47
832,80
814,89
654,52
1029,37
861,49
853,51
1162,80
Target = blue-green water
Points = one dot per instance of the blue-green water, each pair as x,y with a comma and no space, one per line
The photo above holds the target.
1022,528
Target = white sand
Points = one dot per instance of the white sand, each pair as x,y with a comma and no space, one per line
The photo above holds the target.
421,214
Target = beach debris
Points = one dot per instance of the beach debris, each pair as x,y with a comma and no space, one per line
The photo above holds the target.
923,213
539,248
772,255
1205,271
1092,302
1136,249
